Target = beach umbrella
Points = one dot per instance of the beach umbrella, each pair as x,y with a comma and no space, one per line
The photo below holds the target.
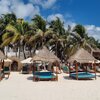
27,61
82,56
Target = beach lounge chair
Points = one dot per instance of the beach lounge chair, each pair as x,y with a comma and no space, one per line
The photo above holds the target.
37,76
6,71
83,75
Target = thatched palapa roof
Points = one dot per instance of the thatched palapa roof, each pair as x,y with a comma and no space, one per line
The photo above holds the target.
45,55
81,56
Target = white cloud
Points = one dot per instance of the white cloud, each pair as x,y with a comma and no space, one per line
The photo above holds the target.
25,10
94,31
28,10
54,17
19,8
4,6
66,19
44,3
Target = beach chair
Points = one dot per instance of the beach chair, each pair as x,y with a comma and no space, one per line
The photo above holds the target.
83,75
37,76
6,71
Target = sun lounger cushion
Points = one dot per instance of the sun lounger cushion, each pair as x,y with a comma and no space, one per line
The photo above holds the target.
83,75
44,75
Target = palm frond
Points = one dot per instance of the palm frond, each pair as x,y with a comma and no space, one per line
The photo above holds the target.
6,42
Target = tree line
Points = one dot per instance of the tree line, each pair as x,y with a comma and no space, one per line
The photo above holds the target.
19,34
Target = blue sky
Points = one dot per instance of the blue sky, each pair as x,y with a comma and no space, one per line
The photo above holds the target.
85,12
81,11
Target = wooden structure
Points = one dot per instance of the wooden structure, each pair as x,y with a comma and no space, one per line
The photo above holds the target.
86,74
83,57
45,55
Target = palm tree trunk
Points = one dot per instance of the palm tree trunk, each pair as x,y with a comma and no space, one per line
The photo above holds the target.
30,52
56,49
19,51
16,52
5,51
24,52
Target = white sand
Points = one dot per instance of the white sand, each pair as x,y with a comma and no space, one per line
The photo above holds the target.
21,87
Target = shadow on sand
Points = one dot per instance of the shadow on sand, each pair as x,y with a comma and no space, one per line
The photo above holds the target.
30,78
69,78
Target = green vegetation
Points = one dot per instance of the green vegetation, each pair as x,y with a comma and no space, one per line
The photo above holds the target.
19,34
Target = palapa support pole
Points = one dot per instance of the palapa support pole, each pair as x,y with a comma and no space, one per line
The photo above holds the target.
56,71
56,63
94,66
3,63
87,65
69,70
76,65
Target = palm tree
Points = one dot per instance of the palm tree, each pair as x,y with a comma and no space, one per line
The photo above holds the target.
5,19
39,23
42,35
14,35
20,35
11,36
58,37
80,34
9,18
81,39
57,26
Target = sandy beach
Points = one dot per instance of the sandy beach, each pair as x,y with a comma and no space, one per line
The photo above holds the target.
21,87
